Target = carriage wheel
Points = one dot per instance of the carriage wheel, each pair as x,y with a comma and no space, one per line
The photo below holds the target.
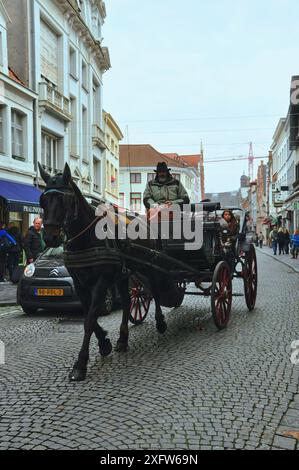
250,278
221,294
140,302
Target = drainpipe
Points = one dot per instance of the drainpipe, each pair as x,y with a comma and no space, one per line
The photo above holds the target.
32,52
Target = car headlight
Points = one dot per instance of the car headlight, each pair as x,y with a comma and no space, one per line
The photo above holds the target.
29,270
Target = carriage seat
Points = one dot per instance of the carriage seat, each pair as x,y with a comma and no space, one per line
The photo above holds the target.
206,206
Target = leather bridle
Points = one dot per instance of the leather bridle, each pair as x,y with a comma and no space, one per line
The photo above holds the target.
96,219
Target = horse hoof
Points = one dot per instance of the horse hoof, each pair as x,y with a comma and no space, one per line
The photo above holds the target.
161,327
121,347
77,375
106,348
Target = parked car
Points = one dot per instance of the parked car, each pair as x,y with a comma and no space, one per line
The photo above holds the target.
46,284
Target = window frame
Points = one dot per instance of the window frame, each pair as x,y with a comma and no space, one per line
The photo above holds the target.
151,176
73,66
97,180
133,176
84,75
2,132
49,141
17,128
133,201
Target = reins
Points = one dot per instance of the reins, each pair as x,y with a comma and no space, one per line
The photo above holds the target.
99,217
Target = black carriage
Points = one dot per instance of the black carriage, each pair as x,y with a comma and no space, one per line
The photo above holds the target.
161,267
208,268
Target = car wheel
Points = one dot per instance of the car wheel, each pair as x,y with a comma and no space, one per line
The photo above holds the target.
29,311
109,302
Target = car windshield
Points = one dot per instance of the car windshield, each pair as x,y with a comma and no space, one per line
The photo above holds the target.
53,252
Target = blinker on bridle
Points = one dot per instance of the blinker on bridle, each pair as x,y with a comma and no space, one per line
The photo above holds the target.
96,219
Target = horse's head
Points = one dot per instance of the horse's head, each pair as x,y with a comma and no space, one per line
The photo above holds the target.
56,203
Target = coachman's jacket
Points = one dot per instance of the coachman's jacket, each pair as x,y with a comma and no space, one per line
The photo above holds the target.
171,190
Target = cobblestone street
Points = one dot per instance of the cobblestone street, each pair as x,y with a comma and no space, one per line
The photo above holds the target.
191,388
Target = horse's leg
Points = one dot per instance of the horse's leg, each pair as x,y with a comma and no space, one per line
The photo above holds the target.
122,342
98,292
105,346
161,324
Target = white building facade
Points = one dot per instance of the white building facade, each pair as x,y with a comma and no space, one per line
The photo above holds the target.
285,160
16,132
137,165
113,136
63,61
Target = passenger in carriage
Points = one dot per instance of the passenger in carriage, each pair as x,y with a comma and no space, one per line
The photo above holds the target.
164,189
230,224
230,227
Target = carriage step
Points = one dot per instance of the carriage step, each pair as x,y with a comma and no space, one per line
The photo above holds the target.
238,294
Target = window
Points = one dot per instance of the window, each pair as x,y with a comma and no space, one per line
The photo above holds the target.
107,177
97,175
82,8
84,133
112,178
297,172
72,128
2,150
151,176
1,51
49,53
99,29
121,200
135,177
49,151
84,75
176,176
135,201
115,181
73,62
17,134
96,103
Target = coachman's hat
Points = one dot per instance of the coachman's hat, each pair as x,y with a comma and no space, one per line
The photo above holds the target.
162,166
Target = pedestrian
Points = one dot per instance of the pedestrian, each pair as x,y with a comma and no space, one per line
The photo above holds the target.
295,244
6,242
34,243
261,240
286,240
280,240
15,251
273,237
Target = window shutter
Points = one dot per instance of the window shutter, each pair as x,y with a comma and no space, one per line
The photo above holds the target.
49,53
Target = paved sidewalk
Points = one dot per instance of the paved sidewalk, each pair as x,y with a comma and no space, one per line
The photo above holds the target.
8,294
285,259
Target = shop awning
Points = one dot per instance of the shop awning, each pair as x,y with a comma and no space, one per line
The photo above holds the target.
20,197
271,220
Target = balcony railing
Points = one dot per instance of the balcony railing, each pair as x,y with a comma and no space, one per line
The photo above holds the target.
53,100
98,137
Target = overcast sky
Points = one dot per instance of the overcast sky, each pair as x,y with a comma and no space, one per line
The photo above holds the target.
216,71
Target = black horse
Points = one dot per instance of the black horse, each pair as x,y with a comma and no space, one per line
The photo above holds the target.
65,208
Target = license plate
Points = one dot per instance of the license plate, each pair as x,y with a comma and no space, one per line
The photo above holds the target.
49,292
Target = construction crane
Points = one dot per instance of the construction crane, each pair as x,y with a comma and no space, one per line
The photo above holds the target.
236,159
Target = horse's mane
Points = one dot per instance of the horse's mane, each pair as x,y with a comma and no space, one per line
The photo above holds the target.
82,201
